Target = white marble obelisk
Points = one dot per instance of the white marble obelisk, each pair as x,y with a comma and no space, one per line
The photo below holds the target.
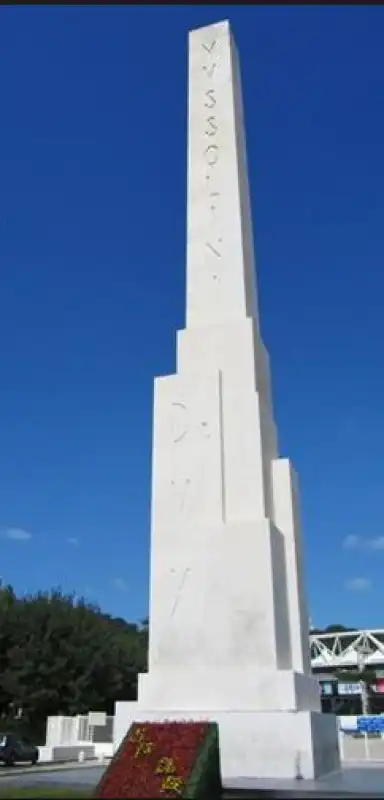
228,620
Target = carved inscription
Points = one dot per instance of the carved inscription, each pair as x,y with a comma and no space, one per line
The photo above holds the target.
179,428
211,153
212,127
210,101
212,195
209,70
184,423
214,249
208,48
180,590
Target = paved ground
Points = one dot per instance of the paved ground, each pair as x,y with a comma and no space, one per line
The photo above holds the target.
364,780
359,780
65,776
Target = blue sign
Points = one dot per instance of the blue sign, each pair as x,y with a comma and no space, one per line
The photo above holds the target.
370,724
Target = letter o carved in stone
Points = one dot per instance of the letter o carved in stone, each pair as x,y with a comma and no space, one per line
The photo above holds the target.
211,154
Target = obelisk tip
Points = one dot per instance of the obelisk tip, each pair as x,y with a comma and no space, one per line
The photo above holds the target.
216,26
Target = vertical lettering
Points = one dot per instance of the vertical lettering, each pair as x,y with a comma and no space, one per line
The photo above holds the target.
214,249
212,125
210,94
212,154
209,70
208,49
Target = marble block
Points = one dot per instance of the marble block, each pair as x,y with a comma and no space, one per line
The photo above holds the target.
228,619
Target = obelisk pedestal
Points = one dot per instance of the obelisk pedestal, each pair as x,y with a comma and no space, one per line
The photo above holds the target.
228,634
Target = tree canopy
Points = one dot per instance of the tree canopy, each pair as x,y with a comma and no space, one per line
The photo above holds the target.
61,655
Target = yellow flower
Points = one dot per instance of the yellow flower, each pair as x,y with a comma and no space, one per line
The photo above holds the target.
137,736
172,784
144,749
166,766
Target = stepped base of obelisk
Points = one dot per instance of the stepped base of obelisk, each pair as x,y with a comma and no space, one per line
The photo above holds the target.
220,651
239,688
255,744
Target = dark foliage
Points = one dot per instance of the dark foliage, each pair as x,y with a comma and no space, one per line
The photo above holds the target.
61,655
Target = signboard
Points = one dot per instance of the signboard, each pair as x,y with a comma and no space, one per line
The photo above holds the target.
349,688
378,686
97,719
370,724
348,724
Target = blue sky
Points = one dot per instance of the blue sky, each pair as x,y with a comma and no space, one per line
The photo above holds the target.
92,230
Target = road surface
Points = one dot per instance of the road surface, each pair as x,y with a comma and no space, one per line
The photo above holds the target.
83,776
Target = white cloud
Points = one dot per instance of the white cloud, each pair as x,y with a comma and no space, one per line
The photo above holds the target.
120,584
72,540
18,534
377,543
358,585
354,542
351,541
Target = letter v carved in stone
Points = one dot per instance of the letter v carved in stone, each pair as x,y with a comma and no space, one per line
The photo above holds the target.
208,48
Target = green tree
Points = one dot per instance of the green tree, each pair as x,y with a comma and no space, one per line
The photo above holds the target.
58,654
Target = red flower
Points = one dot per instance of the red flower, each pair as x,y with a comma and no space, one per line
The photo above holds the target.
154,760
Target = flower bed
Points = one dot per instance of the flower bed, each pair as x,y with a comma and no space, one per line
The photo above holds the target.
160,760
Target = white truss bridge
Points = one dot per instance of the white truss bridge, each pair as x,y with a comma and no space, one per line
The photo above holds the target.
343,649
